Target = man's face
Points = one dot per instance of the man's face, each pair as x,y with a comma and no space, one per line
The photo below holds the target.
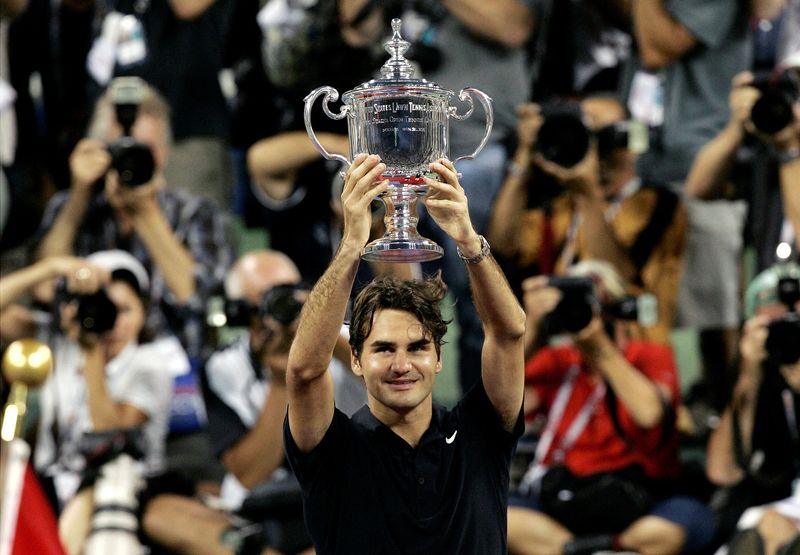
398,362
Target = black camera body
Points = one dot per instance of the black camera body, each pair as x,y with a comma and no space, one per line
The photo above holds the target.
783,338
132,160
579,304
279,303
96,312
576,308
774,110
563,137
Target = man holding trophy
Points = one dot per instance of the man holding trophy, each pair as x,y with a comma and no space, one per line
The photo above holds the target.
404,475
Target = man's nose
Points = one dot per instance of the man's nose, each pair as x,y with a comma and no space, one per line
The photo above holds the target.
401,361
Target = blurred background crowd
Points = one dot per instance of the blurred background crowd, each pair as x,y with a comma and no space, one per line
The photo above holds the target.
163,215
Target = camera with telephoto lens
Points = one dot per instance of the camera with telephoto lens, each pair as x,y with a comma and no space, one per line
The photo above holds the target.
576,308
579,304
783,338
774,109
279,303
564,138
132,160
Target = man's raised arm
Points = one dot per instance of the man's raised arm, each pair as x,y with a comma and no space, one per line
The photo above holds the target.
310,387
502,359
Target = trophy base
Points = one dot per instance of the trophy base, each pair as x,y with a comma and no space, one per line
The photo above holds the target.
388,249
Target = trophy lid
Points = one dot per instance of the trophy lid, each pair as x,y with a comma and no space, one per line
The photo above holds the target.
397,74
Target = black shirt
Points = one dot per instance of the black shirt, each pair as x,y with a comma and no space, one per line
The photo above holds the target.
366,491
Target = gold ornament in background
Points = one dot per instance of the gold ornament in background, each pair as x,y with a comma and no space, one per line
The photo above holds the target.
26,363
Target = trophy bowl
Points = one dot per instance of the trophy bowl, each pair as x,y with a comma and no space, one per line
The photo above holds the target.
405,121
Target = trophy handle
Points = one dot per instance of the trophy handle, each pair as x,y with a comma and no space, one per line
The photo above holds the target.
465,95
331,95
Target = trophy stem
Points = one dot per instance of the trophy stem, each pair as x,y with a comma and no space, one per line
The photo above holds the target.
401,242
401,214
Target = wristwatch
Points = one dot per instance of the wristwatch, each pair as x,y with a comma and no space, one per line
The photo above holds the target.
485,251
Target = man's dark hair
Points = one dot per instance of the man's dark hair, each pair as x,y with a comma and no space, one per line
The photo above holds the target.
420,298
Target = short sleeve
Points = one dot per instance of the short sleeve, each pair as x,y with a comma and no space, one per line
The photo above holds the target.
323,462
657,362
477,409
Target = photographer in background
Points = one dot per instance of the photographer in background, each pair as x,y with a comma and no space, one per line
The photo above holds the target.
755,450
756,156
106,378
606,463
572,193
246,401
117,199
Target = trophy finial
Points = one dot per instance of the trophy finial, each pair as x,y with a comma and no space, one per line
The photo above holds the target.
397,67
26,363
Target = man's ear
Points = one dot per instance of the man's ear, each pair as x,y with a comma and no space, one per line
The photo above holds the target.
438,365
355,363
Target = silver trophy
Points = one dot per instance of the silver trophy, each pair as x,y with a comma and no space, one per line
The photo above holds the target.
404,120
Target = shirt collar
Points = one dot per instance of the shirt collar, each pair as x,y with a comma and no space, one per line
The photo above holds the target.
365,419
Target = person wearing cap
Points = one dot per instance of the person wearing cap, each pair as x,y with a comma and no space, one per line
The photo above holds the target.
607,403
103,380
185,242
755,450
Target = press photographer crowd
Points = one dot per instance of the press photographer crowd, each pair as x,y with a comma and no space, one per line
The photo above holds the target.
274,283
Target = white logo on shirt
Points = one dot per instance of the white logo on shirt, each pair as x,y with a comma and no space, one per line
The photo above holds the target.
451,439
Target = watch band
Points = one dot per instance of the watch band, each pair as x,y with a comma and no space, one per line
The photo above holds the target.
485,251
